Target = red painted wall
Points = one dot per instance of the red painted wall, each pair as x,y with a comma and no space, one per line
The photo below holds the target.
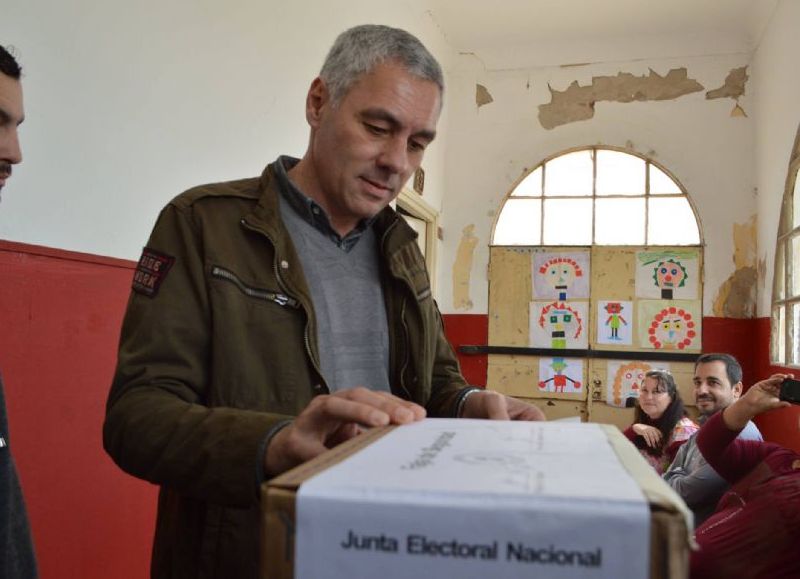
469,330
747,340
60,315
781,426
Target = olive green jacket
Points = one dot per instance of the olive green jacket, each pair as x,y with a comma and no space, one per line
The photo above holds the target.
223,349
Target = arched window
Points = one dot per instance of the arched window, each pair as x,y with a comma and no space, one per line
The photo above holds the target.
595,269
597,196
785,327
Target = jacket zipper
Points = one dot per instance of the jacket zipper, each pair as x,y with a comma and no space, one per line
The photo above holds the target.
404,365
280,299
282,284
406,346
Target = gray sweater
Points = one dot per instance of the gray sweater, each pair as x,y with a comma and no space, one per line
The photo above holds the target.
695,481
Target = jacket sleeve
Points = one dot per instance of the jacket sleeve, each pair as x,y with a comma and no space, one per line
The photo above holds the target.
159,423
630,434
448,384
731,457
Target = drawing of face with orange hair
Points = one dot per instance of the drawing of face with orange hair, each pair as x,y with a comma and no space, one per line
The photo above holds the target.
672,328
627,380
560,272
561,321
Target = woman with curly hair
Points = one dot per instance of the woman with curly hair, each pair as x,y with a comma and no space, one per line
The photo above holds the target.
660,425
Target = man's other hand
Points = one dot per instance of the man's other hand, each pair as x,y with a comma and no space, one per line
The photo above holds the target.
331,419
760,397
496,406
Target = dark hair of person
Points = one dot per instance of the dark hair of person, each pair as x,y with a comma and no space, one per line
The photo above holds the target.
732,367
666,423
8,64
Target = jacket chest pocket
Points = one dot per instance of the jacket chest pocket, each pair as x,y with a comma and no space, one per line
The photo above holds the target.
258,343
256,293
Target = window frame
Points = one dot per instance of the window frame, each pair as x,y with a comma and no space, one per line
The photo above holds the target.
787,232
413,204
594,197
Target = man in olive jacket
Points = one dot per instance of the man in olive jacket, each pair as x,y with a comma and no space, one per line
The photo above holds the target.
274,317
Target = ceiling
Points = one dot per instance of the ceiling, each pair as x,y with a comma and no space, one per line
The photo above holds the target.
514,34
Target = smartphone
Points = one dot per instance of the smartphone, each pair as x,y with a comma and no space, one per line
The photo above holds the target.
790,391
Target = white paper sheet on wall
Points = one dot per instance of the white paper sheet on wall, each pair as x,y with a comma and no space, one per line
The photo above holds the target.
474,498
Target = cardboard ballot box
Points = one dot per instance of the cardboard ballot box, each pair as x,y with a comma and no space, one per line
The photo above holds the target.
475,498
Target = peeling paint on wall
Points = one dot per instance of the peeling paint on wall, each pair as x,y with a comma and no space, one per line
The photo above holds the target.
463,267
745,240
734,85
482,95
576,103
738,111
736,297
733,88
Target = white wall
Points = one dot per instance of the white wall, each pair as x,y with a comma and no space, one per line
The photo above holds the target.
710,152
777,89
129,103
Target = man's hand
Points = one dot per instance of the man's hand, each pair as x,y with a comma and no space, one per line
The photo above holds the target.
496,406
331,419
651,434
761,396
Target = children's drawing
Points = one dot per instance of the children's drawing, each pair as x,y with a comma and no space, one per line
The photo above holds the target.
614,322
560,375
558,324
560,276
669,325
667,275
625,378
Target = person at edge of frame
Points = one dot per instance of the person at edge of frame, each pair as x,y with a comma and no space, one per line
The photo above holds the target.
17,556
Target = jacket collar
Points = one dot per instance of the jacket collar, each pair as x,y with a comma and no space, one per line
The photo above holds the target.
392,231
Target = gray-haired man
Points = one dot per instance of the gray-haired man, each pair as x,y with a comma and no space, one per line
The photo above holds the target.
274,317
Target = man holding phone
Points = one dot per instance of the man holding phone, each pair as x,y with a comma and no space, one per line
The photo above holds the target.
755,530
717,385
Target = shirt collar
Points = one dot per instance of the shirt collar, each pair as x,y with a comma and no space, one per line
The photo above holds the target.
310,211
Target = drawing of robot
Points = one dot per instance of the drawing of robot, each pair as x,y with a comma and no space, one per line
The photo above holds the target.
560,379
615,318
562,322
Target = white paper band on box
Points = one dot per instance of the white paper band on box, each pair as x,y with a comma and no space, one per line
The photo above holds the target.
475,499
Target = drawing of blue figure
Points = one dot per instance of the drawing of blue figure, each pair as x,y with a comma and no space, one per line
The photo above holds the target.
560,379
615,319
